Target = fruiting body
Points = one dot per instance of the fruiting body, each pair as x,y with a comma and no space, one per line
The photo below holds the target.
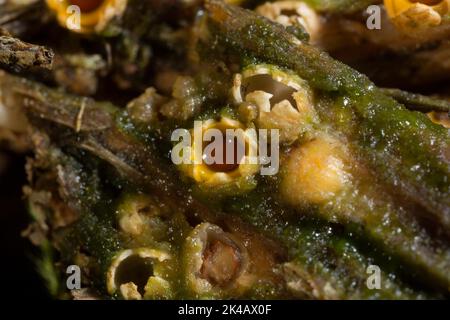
314,172
212,168
87,16
416,18
214,262
281,100
137,273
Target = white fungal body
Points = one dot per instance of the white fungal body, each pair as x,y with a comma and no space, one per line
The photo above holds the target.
281,100
155,285
291,13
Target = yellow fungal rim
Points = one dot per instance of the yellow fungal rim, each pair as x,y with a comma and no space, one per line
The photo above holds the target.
397,7
202,173
440,118
89,21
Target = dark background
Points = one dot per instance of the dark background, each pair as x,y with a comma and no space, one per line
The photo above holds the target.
18,276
